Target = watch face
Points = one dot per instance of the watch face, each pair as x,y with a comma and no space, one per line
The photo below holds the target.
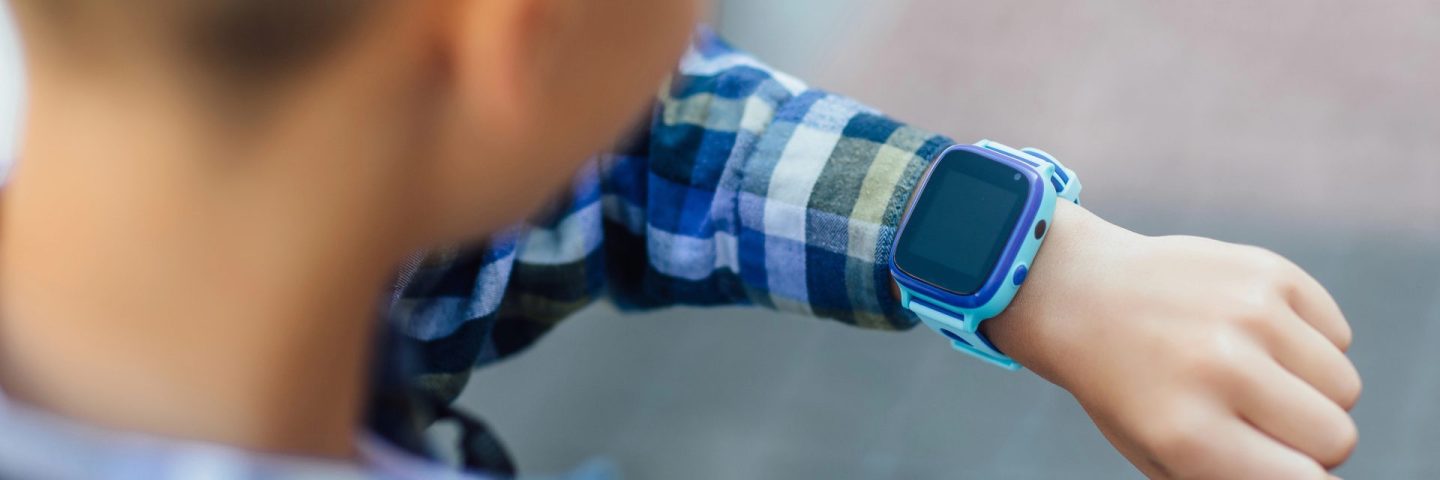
963,219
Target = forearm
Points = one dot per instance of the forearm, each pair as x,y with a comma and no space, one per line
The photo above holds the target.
1031,321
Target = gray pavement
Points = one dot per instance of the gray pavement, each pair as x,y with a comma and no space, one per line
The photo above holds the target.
1309,127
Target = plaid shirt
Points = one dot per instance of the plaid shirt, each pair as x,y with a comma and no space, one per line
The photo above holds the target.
748,187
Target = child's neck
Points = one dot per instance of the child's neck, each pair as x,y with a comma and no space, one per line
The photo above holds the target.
165,286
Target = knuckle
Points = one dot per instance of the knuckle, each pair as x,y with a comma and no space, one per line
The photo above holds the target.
1256,316
1196,361
1258,312
1271,268
1235,378
1212,362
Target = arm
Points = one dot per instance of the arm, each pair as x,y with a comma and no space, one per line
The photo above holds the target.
750,188
1196,358
744,187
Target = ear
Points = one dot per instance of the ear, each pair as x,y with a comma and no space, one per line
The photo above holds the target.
501,55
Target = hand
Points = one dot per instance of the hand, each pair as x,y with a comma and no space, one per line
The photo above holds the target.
1195,358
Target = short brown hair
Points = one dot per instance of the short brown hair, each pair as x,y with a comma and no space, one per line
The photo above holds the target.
246,38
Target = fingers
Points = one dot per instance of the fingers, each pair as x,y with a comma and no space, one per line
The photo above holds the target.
1255,455
1308,354
1314,304
1295,413
1233,449
1299,350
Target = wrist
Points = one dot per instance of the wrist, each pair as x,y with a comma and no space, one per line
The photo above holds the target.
972,233
1038,317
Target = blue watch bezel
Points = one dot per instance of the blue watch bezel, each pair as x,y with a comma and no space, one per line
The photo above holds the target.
1038,183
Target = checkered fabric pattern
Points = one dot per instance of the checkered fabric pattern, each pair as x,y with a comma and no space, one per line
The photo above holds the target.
748,187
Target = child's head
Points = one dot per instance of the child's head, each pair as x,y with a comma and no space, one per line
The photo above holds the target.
473,110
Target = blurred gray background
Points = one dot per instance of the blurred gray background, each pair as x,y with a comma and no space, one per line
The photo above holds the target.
1309,127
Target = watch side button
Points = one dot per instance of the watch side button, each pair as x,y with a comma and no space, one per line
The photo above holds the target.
1020,273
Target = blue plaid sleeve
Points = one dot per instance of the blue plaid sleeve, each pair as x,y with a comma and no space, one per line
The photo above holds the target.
749,187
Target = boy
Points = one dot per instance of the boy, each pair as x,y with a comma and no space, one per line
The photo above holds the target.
212,194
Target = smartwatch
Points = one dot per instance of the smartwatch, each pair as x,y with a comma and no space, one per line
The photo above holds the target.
969,236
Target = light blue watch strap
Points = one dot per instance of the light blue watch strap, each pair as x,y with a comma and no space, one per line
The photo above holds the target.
963,329
961,336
